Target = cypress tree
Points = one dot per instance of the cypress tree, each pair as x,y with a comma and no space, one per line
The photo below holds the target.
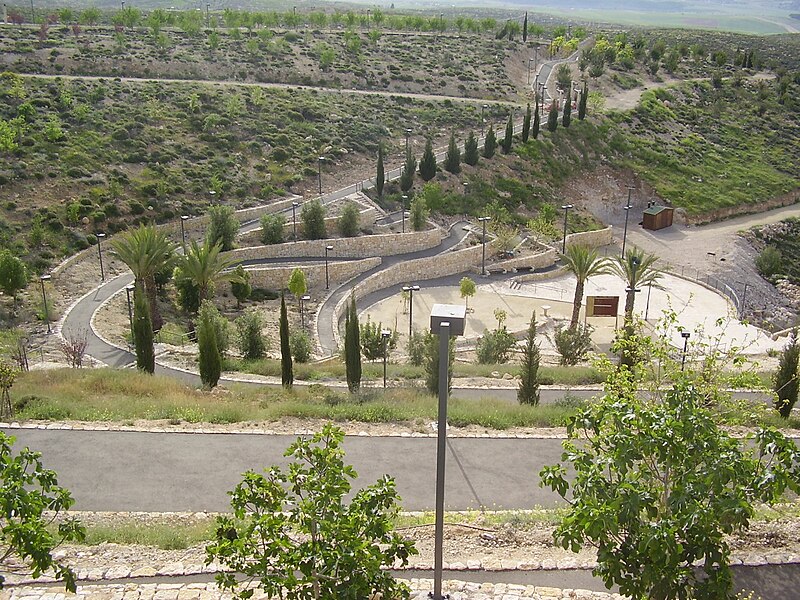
786,381
552,117
528,392
509,137
352,347
380,176
452,161
567,116
471,150
143,331
582,102
287,376
427,166
407,176
525,30
535,126
489,143
210,361
526,124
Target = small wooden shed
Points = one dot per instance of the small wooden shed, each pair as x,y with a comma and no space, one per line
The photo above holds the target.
657,217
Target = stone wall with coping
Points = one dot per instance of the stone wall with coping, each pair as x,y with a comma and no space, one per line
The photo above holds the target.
276,277
366,218
593,239
365,246
421,269
539,260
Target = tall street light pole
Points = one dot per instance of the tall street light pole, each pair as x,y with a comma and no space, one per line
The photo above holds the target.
530,60
213,195
483,240
403,213
327,249
410,289
184,218
627,209
303,301
483,120
565,208
43,279
385,335
408,135
319,172
685,336
294,220
100,237
128,291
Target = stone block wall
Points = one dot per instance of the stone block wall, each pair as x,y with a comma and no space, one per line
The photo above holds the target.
366,218
593,239
277,277
539,260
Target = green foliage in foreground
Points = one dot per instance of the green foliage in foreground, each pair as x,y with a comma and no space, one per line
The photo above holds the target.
293,533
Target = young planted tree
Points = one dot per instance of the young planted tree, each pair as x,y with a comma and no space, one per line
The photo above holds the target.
31,501
526,124
287,376
240,287
583,262
552,117
350,219
313,217
467,288
210,360
509,136
528,392
489,143
143,332
407,176
418,213
582,102
427,166
352,347
786,383
272,228
252,343
223,226
380,175
471,154
536,122
13,274
452,161
567,116
297,535
525,27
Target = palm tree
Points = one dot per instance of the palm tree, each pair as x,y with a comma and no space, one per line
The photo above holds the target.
583,262
637,269
205,267
146,251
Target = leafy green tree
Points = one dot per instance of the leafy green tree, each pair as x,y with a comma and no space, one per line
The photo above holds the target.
313,217
467,288
188,294
295,533
272,229
407,176
350,219
210,360
418,213
252,343
509,137
657,486
786,383
572,343
526,124
427,166
452,161
147,251
552,117
241,288
143,332
223,226
471,155
582,102
352,347
494,347
489,143
566,117
90,16
380,175
297,284
206,267
536,123
528,392
432,362
31,501
583,262
371,338
13,274
287,377
300,345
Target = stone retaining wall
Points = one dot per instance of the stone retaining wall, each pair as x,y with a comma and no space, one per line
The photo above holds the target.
593,239
367,218
532,261
358,247
278,276
745,209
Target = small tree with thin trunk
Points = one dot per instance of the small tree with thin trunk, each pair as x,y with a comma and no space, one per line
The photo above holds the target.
509,137
489,143
350,219
786,383
427,166
313,216
471,155
380,176
287,376
13,274
418,213
467,287
452,161
143,332
297,284
526,124
223,226
528,392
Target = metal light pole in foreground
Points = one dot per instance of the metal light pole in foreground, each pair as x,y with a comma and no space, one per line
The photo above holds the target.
303,301
403,213
327,249
100,237
483,240
447,320
44,278
128,291
565,208
410,289
627,209
408,135
385,335
685,336
319,172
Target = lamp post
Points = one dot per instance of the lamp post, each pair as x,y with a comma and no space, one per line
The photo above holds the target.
100,237
319,172
530,60
385,335
123,4
303,301
685,336
627,209
403,213
327,249
483,240
565,208
446,321
42,279
213,195
128,291
408,135
208,15
294,220
483,120
184,218
541,103
410,289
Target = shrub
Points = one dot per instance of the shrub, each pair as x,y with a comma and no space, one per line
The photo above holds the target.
416,349
494,346
210,360
313,217
272,228
769,262
252,343
572,344
223,226
349,220
372,340
300,344
241,289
